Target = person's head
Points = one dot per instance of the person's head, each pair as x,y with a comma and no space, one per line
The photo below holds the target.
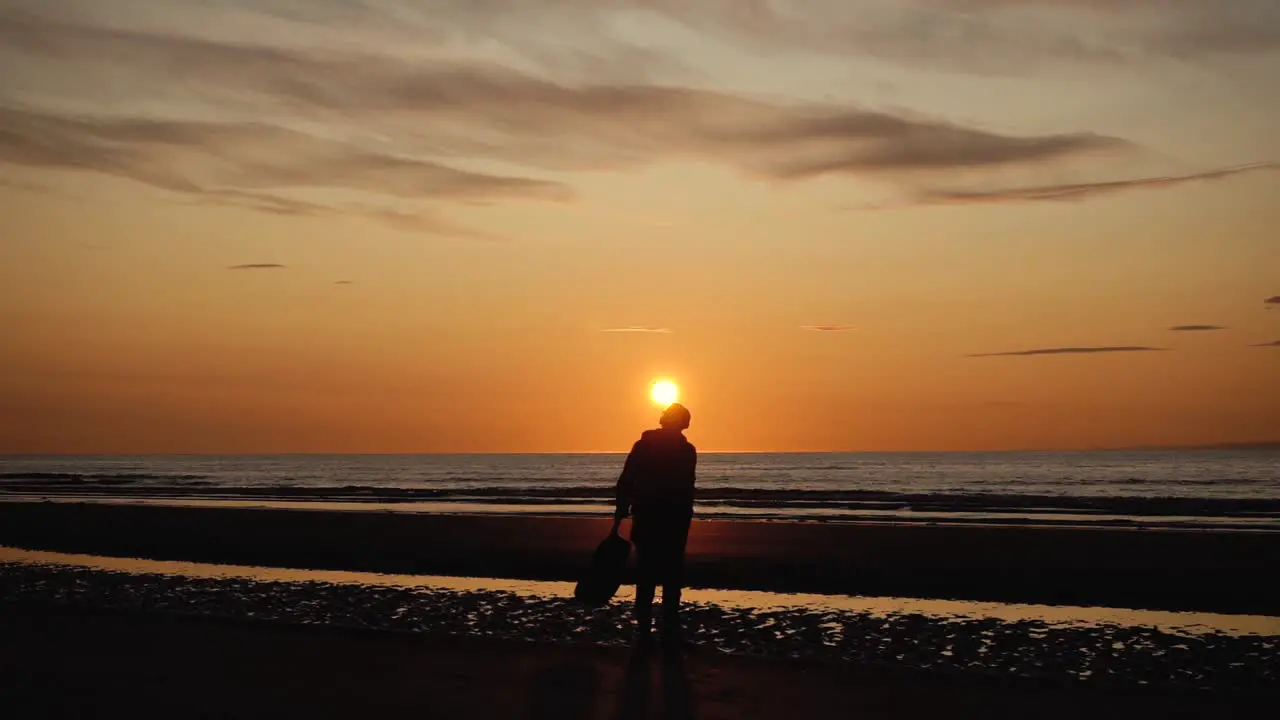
675,417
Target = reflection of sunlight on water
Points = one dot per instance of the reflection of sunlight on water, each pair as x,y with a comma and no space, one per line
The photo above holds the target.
1179,622
754,601
208,570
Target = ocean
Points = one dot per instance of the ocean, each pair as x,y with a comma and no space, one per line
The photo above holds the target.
1194,488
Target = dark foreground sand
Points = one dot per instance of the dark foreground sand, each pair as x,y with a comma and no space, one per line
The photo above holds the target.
1213,571
85,664
1136,649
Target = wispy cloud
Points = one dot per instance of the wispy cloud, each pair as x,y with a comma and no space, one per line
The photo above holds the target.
257,266
997,36
1081,191
1071,351
264,202
637,329
343,282
201,156
473,110
418,221
23,185
1181,29
424,222
827,328
1272,300
393,100
1270,344
1196,328
592,41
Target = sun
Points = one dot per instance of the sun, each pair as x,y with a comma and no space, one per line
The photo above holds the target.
664,392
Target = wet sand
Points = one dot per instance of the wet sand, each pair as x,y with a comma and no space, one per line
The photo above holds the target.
62,662
1212,571
1067,645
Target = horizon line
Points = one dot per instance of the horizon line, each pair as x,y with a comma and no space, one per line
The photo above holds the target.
1243,445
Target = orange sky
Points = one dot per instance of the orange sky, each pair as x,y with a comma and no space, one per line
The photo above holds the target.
448,207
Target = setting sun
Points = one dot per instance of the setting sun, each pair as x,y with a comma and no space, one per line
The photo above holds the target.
664,392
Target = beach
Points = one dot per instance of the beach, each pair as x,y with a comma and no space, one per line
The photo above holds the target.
1166,569
76,663
253,612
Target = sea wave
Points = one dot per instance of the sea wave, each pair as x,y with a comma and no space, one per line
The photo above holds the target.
68,478
749,498
1203,482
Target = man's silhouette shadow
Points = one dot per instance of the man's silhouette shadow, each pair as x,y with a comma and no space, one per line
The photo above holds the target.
635,698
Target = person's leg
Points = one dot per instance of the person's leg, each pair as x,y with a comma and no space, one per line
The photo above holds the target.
673,575
644,607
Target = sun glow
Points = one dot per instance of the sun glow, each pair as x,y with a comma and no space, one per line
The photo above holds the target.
664,392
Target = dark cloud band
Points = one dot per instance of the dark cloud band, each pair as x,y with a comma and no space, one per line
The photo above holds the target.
1071,351
1081,191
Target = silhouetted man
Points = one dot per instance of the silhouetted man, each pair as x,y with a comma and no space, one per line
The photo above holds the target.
656,489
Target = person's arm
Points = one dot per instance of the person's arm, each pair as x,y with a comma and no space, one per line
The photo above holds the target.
693,473
623,491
